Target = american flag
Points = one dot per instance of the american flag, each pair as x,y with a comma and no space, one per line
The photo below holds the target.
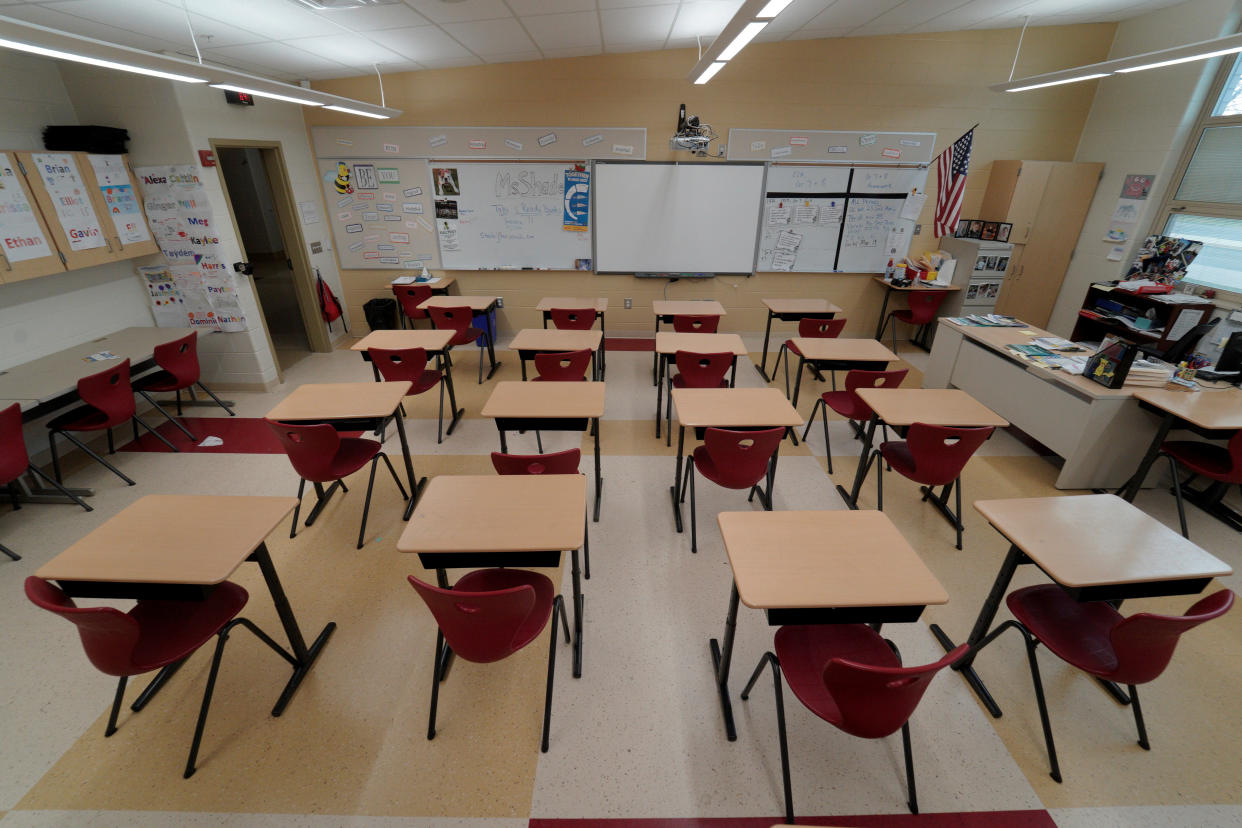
951,167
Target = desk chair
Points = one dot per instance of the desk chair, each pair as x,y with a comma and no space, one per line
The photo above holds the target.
1182,348
566,366
733,460
109,401
1095,638
179,370
852,678
572,319
810,328
849,405
1223,465
458,320
694,371
321,455
154,635
934,456
14,462
923,307
560,462
409,297
489,615
410,364
695,324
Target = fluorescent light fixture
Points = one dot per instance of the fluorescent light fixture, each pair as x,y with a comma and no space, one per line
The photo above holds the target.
355,112
1074,79
710,71
745,36
261,94
772,9
106,64
1174,61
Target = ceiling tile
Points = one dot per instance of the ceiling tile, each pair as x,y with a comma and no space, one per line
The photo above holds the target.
797,14
517,57
905,17
570,53
522,8
423,44
625,4
564,31
156,20
351,50
487,38
442,12
377,17
818,33
87,28
703,17
973,12
281,20
287,57
850,14
645,46
452,63
637,25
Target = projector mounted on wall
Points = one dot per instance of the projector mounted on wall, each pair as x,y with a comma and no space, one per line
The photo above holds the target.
693,135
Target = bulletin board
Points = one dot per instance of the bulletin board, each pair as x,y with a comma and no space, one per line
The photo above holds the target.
26,247
381,212
847,147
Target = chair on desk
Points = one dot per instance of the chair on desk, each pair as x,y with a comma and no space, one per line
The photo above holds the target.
688,323
1222,465
849,405
14,462
924,304
852,678
179,371
409,297
560,462
809,328
154,635
109,401
1095,638
458,320
694,370
410,365
732,460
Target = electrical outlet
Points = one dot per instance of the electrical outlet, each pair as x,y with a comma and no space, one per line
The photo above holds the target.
918,228
500,301
629,303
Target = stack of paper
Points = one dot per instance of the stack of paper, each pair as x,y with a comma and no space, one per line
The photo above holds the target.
404,280
1150,373
1056,343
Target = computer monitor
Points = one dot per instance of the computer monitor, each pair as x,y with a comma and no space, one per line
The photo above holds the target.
1231,356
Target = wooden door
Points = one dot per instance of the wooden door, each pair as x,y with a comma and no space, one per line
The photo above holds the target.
1009,288
1028,197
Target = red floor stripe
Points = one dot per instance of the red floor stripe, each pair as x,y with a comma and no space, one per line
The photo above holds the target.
241,435
968,819
628,344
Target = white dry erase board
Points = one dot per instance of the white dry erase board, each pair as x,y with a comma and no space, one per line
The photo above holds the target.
380,211
697,217
512,215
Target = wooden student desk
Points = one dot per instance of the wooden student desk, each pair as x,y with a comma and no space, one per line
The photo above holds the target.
600,304
666,309
741,408
1097,548
434,342
531,341
829,567
920,338
791,310
480,306
348,406
667,345
177,547
549,406
531,520
837,354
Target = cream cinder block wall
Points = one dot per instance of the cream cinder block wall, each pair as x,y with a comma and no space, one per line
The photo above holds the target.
927,82
1139,124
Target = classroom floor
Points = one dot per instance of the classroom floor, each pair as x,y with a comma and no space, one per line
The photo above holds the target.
638,739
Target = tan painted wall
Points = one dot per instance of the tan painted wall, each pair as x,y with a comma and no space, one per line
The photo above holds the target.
933,82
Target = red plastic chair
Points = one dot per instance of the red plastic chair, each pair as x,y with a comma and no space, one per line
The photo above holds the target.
458,320
810,328
694,370
154,635
1095,638
934,456
559,462
320,455
848,404
179,370
410,365
409,297
572,319
924,303
852,678
109,401
14,462
733,460
695,324
1224,465
489,615
568,366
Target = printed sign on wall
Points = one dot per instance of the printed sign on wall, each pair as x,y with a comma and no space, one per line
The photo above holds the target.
20,235
70,199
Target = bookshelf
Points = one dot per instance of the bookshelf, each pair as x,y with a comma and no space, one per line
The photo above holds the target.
1106,310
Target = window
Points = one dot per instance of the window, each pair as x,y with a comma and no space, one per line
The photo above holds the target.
1230,100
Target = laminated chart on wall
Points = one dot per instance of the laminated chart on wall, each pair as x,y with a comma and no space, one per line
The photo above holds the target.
381,212
873,233
71,200
21,237
800,234
120,198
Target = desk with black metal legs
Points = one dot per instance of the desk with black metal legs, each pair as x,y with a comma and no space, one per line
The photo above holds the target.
922,335
480,308
1097,548
600,304
836,354
178,547
669,343
530,341
549,406
530,521
434,342
346,406
666,309
791,310
828,567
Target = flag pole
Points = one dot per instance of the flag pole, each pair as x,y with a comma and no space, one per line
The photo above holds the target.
960,137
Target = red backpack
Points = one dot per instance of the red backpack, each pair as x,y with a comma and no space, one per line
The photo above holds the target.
329,306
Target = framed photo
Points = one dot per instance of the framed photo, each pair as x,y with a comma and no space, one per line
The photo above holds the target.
962,226
1002,263
990,229
981,263
1003,231
974,230
992,262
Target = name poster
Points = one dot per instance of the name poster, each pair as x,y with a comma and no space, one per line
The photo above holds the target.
20,235
118,194
70,199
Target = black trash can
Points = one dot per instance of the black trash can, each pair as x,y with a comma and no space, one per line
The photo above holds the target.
381,314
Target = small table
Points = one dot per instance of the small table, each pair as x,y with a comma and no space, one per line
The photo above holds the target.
178,547
480,306
919,339
531,341
792,310
837,354
348,406
666,309
824,567
549,406
1097,548
530,521
667,345
1208,413
432,341
550,303
741,408
901,407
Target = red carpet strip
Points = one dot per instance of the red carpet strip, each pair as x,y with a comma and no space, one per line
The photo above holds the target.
241,435
967,819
